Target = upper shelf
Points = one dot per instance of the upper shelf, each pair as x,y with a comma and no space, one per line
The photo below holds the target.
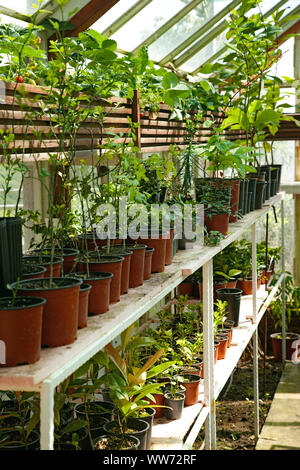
58,363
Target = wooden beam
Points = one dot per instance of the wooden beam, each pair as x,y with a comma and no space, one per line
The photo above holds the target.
88,15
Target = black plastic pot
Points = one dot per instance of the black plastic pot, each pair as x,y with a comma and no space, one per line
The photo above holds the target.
250,195
267,170
274,180
10,252
106,394
34,444
241,198
149,419
233,299
134,440
139,426
252,189
175,405
96,411
246,189
259,195
279,167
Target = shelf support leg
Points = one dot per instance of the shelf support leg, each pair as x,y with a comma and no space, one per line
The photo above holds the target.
256,384
208,355
283,285
254,273
255,336
47,416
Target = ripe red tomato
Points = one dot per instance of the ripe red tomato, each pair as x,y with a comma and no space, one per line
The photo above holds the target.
19,79
141,115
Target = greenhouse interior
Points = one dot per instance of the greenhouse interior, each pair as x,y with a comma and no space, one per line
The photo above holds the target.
149,226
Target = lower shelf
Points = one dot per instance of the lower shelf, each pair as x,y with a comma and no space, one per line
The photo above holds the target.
182,433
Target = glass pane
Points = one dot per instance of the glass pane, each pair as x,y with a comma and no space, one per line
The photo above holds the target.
205,53
112,15
285,66
185,28
146,22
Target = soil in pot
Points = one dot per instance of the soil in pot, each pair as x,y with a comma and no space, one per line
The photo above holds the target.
45,260
109,264
191,384
127,254
148,262
21,329
60,315
292,345
217,222
136,274
33,271
100,291
113,442
233,299
135,427
175,404
83,308
159,255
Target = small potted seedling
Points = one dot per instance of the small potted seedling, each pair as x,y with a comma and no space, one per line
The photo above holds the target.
174,396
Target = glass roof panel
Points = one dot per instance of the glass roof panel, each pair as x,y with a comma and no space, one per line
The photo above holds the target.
146,22
112,15
185,28
204,54
285,66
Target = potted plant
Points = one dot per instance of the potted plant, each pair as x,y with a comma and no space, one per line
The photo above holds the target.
17,316
174,396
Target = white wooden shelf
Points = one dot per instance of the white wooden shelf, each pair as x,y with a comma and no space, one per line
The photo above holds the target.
56,364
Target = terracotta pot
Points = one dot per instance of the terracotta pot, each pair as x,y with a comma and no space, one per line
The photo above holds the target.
194,369
148,262
159,400
169,248
44,260
37,272
100,291
136,274
226,332
60,317
290,342
159,255
234,200
185,288
21,330
191,389
216,351
83,308
222,339
218,222
69,255
246,286
110,264
126,253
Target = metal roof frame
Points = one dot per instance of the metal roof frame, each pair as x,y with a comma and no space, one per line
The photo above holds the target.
204,28
221,51
127,16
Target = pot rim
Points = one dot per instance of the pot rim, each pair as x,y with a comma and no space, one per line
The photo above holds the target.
74,282
37,302
104,275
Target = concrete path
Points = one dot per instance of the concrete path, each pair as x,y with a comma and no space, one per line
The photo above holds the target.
281,430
